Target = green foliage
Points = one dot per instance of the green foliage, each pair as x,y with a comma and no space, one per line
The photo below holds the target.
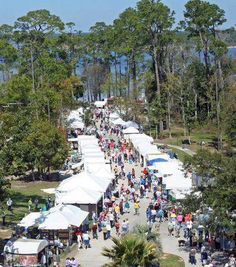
218,182
29,144
131,250
4,188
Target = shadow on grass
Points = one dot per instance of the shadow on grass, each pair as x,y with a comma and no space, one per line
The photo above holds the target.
49,177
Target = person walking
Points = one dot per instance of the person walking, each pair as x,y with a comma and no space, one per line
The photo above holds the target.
192,256
86,240
80,241
95,231
9,204
117,226
136,208
127,206
30,204
104,231
108,227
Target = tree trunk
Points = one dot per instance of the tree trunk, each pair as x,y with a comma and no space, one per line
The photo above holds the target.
134,70
120,77
183,113
169,115
32,69
157,78
219,88
116,76
195,106
128,80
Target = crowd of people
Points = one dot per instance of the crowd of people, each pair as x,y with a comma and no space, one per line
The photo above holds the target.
133,187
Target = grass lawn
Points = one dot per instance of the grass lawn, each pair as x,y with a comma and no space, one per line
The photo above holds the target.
181,154
170,260
21,192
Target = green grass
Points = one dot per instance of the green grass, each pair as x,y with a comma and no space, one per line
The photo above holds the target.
170,260
181,154
21,192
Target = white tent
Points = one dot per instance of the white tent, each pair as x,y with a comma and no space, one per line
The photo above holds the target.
91,150
146,148
131,124
49,190
137,138
31,219
79,195
100,104
177,181
94,154
75,115
130,130
119,121
77,125
84,180
114,116
100,171
62,217
168,168
25,246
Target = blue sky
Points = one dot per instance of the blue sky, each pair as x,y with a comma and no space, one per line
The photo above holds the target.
86,13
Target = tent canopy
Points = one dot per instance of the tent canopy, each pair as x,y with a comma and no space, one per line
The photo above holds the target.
114,116
100,171
119,121
84,180
77,125
131,124
79,195
146,148
25,246
137,138
100,104
62,217
130,130
31,219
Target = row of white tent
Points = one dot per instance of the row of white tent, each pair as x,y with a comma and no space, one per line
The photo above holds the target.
174,177
89,186
75,119
115,119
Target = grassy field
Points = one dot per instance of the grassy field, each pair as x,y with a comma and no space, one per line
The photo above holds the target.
206,133
181,154
21,192
170,260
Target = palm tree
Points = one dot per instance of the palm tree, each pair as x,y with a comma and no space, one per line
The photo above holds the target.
131,251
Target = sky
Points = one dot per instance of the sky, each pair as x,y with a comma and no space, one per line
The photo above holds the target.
85,13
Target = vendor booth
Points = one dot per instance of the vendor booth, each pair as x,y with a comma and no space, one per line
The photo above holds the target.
25,252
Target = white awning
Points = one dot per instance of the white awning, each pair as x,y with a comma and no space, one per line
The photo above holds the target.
131,124
25,246
84,180
49,190
119,121
31,219
79,195
62,217
130,130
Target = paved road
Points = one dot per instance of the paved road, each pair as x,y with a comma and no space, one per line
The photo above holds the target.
170,245
92,257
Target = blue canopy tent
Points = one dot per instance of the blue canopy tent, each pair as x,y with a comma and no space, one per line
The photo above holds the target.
151,162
